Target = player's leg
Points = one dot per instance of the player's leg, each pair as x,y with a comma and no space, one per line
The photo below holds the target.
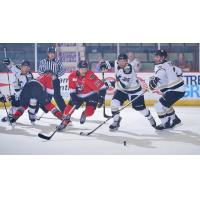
24,102
15,104
68,112
118,99
139,105
48,106
33,102
91,104
57,96
162,114
171,98
17,114
35,94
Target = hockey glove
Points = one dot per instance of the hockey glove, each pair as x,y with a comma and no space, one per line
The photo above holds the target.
153,81
104,66
6,61
109,84
102,94
75,100
2,98
14,101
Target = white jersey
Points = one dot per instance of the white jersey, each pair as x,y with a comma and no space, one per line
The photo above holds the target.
136,64
170,77
19,79
127,80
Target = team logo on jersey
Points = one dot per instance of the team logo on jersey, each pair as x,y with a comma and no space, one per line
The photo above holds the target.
125,79
127,69
74,79
92,76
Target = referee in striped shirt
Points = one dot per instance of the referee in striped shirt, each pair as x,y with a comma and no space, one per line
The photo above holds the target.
52,63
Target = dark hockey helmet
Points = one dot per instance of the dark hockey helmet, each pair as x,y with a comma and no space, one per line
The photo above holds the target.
25,63
122,56
51,50
161,53
82,64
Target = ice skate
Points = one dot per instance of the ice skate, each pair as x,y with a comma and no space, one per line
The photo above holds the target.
83,118
163,126
176,122
115,125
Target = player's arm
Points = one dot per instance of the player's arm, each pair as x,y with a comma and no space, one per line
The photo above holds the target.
178,71
42,67
48,83
72,79
11,66
154,80
61,70
93,82
98,86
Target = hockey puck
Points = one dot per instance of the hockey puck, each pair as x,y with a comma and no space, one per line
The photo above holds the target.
124,143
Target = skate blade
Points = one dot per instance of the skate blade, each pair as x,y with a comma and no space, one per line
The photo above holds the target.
177,125
113,130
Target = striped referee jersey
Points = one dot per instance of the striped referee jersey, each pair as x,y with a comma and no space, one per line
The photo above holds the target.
55,65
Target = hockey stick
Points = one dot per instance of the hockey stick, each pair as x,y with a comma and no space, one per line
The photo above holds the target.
41,116
8,77
50,136
7,113
89,133
104,106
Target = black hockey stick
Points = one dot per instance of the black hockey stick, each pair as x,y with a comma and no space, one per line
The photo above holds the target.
8,77
89,133
104,106
50,136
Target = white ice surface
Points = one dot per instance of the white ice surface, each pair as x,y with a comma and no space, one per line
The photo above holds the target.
141,138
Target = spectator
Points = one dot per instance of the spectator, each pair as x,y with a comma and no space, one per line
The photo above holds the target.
134,61
186,67
104,66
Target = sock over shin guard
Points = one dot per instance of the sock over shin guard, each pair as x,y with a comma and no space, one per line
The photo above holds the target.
54,110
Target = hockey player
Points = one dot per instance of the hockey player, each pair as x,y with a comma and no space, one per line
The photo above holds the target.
22,75
167,82
86,87
37,92
127,88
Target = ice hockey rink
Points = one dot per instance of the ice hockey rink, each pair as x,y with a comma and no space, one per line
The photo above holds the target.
140,137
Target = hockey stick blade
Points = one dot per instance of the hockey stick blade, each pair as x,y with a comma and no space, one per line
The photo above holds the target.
86,134
44,136
106,116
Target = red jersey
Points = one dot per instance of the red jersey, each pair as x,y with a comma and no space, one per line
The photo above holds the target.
46,82
84,85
